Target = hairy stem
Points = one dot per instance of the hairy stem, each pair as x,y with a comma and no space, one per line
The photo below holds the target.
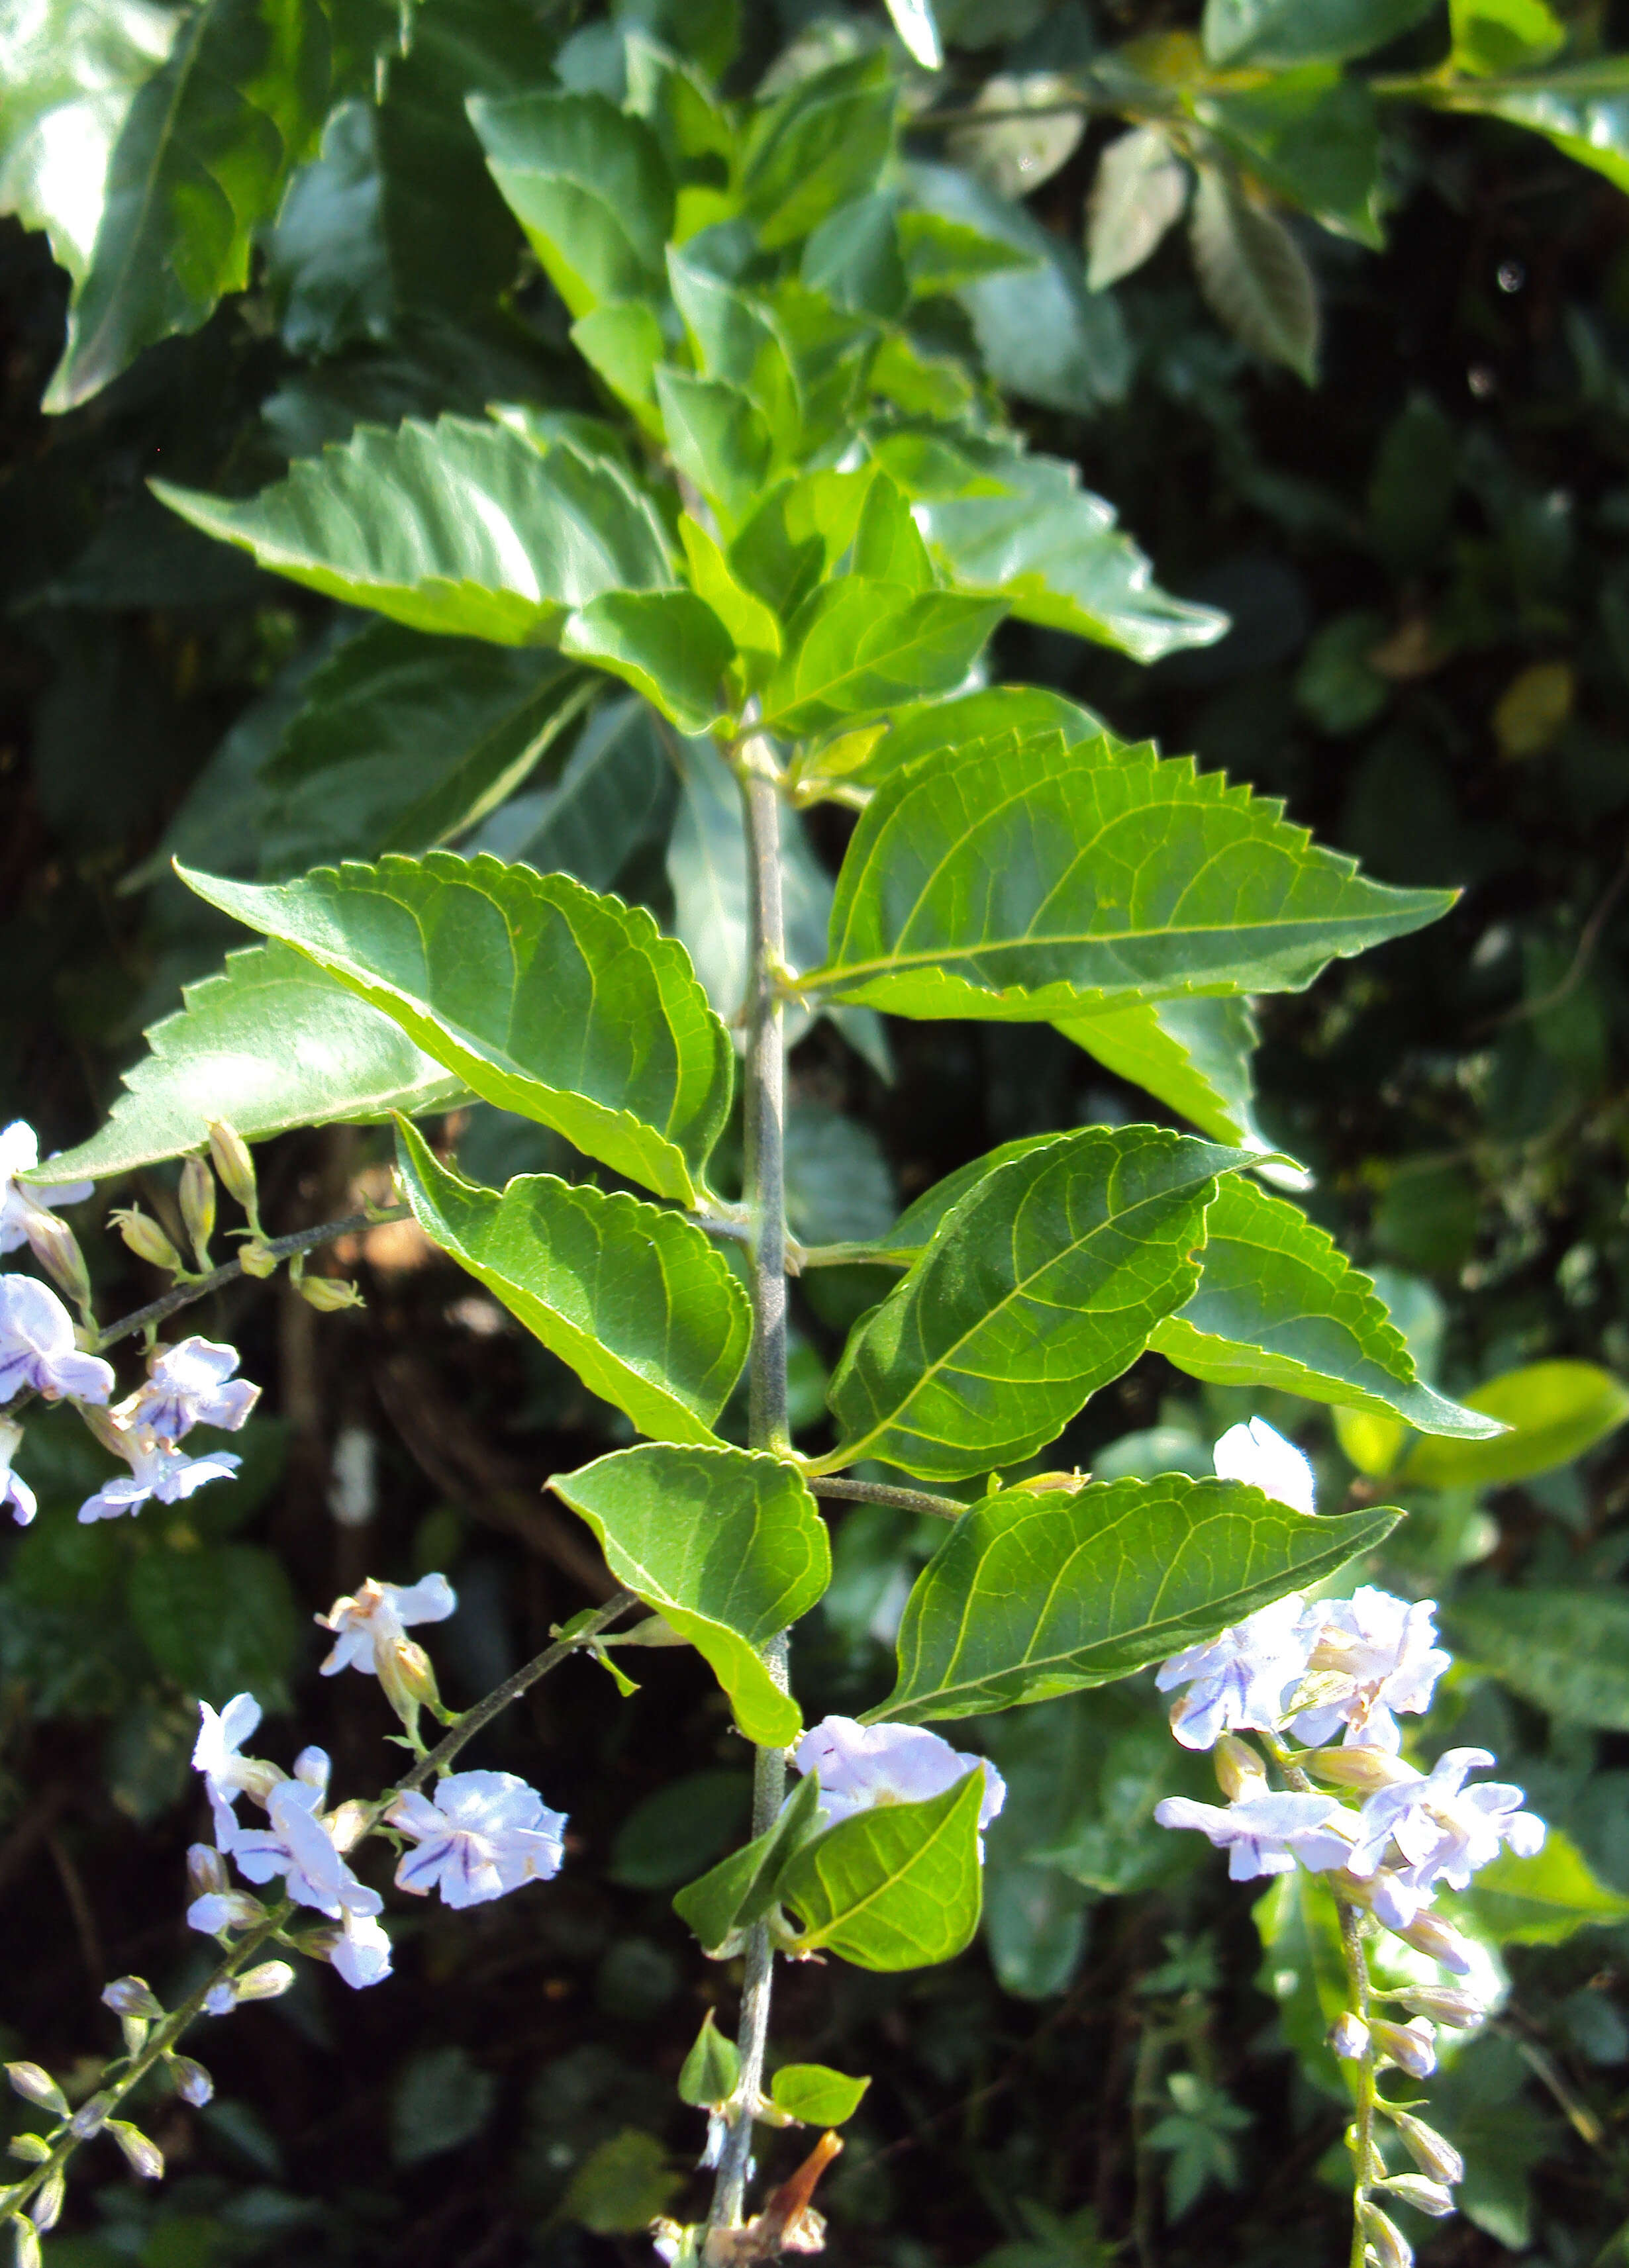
766,1202
280,1247
940,1507
1363,2114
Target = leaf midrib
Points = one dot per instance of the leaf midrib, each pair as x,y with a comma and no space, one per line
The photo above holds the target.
889,1882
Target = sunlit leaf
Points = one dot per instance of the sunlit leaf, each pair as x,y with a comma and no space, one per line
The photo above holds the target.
1541,1900
741,1889
667,645
1192,1054
897,1887
1583,109
1555,1410
590,187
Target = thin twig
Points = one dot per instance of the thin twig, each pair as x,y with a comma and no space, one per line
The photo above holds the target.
280,1248
940,1507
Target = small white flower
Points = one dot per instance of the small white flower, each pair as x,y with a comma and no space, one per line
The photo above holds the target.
190,1385
370,1627
157,1469
37,1346
298,1847
1266,1834
1255,1452
14,1490
1444,1831
227,1773
864,1766
1385,1649
362,1956
485,1834
19,1154
1242,1679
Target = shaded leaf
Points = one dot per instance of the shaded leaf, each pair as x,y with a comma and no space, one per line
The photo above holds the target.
667,645
1555,1411
646,1310
613,798
711,2073
1303,1970
823,144
544,996
854,258
1583,109
1040,1285
456,526
719,441
1035,1593
1012,155
1312,137
741,1889
681,1825
219,1619
1564,1651
727,1546
1491,36
1138,192
1192,1054
895,1888
588,184
1254,273
1282,31
943,256
1030,879
622,2185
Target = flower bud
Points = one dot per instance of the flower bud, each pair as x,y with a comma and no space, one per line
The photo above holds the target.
1427,1934
1349,2038
236,1167
329,1294
132,1996
1239,1770
1411,2046
144,2159
1432,2153
256,1259
146,1239
197,1201
135,2029
1385,2240
206,1870
348,1822
26,2243
1366,1769
46,2209
33,2149
37,2086
89,2117
269,1981
57,1249
222,1910
193,2083
1424,2195
1444,2003
409,1677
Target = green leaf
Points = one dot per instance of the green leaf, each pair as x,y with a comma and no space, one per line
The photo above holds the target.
623,341
588,184
1542,1900
1491,36
69,73
727,1546
719,442
736,340
455,526
543,997
865,759
943,256
646,1311
667,645
218,1619
1036,1592
1311,136
854,258
1279,1305
622,2185
1023,526
1120,875
895,1888
815,2093
1304,1970
1281,32
1040,1285
1012,152
268,1044
1191,1054
1583,109
887,543
1254,273
823,145
711,2073
201,159
796,534
1138,192
857,645
1566,1652
913,20
741,1889
1555,1411
613,798
750,623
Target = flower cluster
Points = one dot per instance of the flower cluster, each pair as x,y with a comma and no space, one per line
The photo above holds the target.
862,1767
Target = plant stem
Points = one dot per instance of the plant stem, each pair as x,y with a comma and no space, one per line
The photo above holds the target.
940,1507
766,1202
1363,2115
280,1247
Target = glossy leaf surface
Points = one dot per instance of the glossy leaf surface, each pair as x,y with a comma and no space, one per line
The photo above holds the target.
859,645
590,187
541,995
1193,1054
815,2093
646,1311
727,1545
1035,1593
1280,32
667,645
895,1888
1583,109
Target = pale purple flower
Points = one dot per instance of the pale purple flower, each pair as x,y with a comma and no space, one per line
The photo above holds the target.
485,1834
370,1627
299,1847
1349,2036
37,1346
1242,1679
19,1154
190,1385
864,1766
1266,1834
362,1956
14,1490
1444,1831
157,1469
1255,1452
227,1772
1385,1651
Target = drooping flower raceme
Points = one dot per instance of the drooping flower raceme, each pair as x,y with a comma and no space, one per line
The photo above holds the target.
862,1766
37,1346
484,1834
1444,1831
16,1495
1266,1833
189,1385
157,1469
19,1154
300,1847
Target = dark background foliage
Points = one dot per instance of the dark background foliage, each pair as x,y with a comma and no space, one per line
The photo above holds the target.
1424,558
